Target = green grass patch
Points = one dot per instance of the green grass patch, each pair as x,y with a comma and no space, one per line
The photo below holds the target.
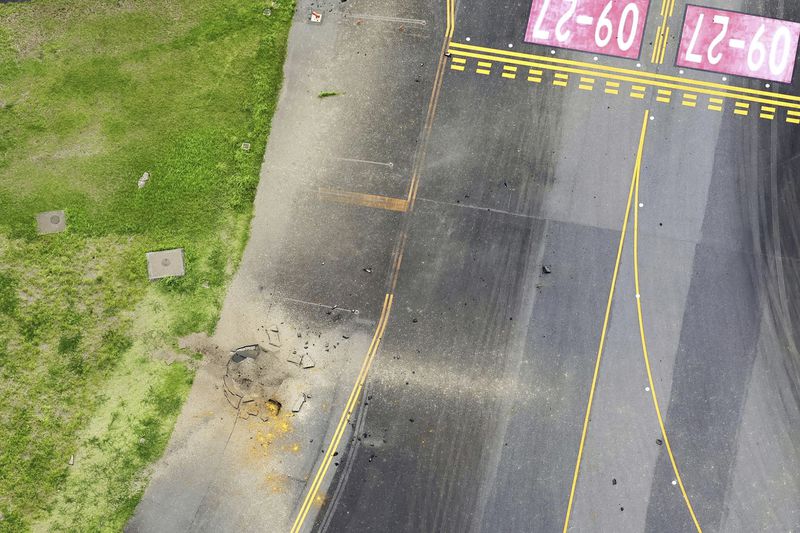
93,94
326,94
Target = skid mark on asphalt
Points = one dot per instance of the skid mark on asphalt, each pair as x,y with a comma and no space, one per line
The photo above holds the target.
692,94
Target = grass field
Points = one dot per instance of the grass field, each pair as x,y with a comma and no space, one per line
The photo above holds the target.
92,94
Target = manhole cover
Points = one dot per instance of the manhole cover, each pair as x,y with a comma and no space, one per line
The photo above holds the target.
55,219
165,262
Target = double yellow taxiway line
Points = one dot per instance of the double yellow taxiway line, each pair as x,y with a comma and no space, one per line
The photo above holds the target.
633,198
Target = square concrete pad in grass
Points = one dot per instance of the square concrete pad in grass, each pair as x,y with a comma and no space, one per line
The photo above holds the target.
165,263
51,222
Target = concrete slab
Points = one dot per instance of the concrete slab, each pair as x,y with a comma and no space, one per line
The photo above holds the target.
51,222
165,263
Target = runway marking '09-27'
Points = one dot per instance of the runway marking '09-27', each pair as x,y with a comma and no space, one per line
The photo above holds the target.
465,60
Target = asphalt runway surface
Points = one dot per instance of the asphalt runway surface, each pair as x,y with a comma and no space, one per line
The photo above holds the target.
479,391
527,234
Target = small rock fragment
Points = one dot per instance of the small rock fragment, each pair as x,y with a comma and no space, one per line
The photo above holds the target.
547,269
298,403
307,362
659,442
71,460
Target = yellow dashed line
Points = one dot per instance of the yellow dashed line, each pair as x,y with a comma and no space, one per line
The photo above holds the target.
793,113
663,96
612,87
509,75
742,108
509,68
587,84
715,100
460,60
767,116
484,64
793,120
586,87
689,103
535,72
559,83
715,107
483,71
457,67
535,79
561,79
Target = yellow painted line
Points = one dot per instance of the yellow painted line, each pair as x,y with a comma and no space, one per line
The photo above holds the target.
689,103
483,71
671,8
534,79
640,88
744,105
639,96
559,83
509,76
612,84
767,116
662,99
740,112
715,108
624,74
690,96
606,320
665,92
587,80
767,109
344,419
586,87
460,60
646,357
535,72
456,67
793,113
366,200
510,68
656,45
664,46
484,64
793,120
562,76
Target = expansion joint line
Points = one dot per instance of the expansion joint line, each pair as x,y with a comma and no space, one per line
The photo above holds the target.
633,198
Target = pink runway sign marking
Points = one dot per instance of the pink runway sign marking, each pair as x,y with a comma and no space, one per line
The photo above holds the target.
609,27
737,43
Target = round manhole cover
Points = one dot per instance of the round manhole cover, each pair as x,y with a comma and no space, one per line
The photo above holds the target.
165,262
55,219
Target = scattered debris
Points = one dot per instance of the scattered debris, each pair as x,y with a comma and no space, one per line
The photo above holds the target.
71,460
274,336
143,180
298,402
308,362
246,147
659,442
613,481
165,263
295,358
368,270
547,269
51,222
315,17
